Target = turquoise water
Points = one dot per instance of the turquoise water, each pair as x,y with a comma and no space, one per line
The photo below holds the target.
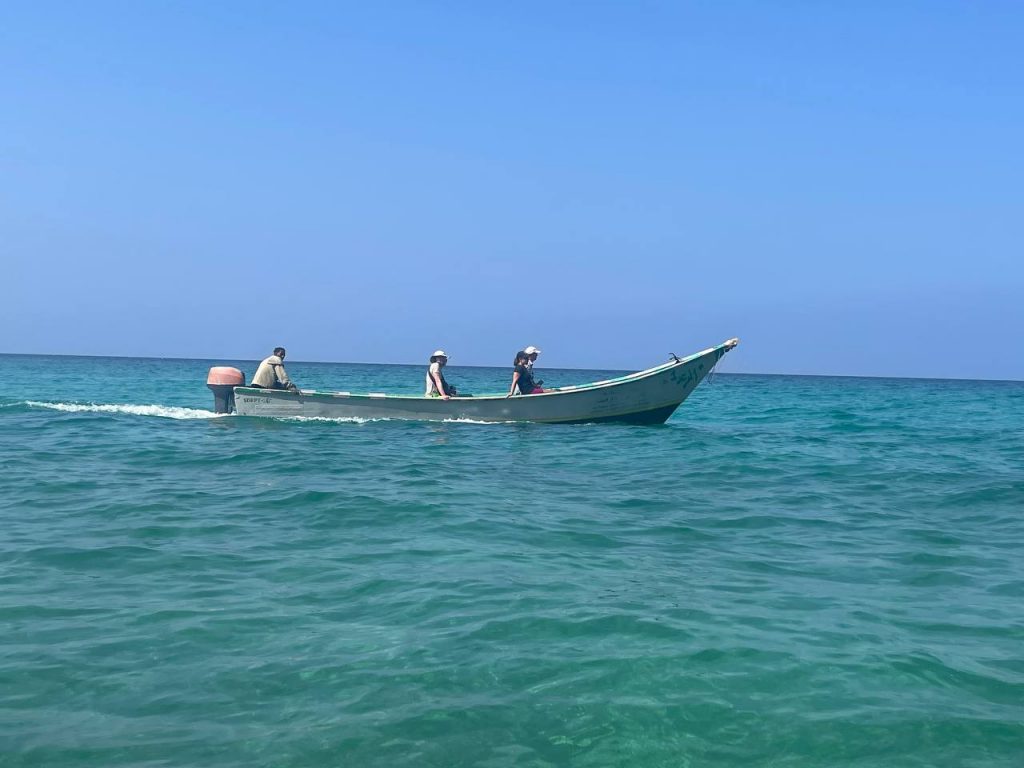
793,571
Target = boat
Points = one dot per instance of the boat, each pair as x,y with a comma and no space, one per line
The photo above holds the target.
645,397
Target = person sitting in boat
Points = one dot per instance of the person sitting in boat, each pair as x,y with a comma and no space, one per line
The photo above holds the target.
522,377
436,385
532,352
271,373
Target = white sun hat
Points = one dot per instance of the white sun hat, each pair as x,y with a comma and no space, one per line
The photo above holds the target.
439,353
531,350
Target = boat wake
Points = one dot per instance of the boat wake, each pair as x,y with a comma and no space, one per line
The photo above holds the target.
177,412
161,411
474,421
329,419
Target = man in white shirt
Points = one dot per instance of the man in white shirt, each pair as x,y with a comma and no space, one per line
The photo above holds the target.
436,385
271,373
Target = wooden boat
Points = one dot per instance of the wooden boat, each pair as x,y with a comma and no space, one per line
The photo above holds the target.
645,397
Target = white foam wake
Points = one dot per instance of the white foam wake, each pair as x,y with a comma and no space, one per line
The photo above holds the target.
330,419
364,420
163,411
467,420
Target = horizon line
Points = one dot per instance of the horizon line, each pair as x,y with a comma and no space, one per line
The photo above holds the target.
615,370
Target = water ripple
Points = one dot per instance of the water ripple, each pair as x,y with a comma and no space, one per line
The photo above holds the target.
791,572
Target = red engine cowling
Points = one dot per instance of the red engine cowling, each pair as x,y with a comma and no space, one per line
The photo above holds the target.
222,380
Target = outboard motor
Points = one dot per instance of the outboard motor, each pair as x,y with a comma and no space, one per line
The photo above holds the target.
222,381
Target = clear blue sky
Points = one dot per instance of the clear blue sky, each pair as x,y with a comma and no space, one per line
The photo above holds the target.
841,185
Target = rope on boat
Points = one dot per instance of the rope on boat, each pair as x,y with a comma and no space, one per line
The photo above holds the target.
729,345
711,374
710,378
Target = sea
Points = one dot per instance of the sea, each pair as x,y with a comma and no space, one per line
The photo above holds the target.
793,571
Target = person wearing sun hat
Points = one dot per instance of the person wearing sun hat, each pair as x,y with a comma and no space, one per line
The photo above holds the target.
532,352
531,357
522,377
436,385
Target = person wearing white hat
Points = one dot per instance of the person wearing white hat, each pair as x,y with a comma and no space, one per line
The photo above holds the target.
436,385
522,377
531,354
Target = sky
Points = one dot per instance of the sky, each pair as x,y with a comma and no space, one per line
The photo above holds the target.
840,185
